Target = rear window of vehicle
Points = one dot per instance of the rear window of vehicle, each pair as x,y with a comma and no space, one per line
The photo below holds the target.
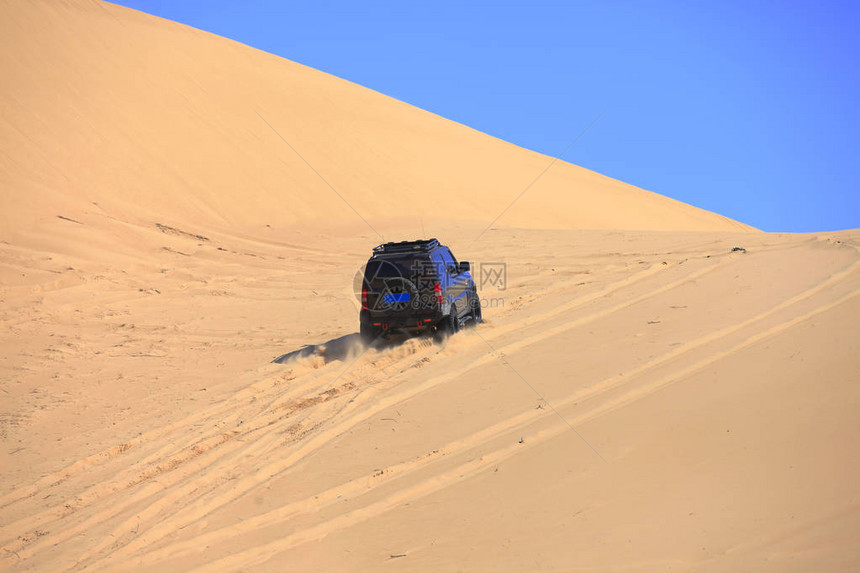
394,267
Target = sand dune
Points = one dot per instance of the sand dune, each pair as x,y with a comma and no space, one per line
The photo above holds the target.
110,112
642,397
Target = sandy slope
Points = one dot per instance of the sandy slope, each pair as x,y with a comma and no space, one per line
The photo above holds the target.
107,111
720,390
638,400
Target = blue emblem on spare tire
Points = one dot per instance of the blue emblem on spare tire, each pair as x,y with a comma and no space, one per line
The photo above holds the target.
397,297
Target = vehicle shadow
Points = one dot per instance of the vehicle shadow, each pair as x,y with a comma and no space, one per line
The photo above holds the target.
340,348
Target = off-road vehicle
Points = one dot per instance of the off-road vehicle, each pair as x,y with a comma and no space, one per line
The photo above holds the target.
416,286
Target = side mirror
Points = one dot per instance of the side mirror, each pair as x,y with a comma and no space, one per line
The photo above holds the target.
465,266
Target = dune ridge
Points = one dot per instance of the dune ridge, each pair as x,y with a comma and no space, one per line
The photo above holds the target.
111,112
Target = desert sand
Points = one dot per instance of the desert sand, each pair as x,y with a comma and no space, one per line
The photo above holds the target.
656,387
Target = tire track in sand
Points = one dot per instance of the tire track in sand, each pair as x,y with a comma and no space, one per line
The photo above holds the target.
235,444
277,420
359,486
247,393
192,513
261,554
251,392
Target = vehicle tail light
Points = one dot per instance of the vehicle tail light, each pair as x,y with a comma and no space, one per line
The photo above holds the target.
364,299
437,292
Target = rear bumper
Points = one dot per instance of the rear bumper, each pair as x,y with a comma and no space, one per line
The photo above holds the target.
407,323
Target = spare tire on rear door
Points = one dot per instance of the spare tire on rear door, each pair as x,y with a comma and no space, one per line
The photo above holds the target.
398,295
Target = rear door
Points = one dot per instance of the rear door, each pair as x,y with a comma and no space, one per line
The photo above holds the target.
393,283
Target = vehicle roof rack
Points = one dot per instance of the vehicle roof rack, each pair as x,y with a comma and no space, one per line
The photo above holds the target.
419,246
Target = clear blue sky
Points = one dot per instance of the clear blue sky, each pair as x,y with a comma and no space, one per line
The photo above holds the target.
746,108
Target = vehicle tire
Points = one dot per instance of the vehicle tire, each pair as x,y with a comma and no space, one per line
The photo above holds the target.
476,314
448,326
368,334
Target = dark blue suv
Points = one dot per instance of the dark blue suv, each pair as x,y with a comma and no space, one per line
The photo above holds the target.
416,286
